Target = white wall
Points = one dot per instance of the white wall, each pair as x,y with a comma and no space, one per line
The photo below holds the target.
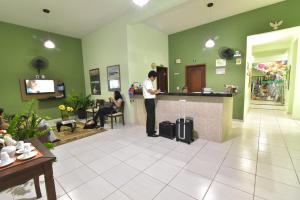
133,47
249,60
271,58
296,102
105,47
145,46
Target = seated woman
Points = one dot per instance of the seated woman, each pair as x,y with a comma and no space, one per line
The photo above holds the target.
114,108
3,124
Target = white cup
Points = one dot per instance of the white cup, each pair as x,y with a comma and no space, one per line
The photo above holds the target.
26,149
20,145
4,157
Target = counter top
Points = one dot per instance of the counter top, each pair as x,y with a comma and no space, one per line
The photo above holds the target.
215,94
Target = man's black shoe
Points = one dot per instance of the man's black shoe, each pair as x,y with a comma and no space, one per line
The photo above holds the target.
153,135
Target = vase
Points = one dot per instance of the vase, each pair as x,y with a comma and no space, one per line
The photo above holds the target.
64,116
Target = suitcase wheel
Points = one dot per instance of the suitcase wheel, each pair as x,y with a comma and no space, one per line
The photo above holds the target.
177,139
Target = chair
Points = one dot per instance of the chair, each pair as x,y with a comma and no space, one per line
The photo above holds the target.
113,116
94,109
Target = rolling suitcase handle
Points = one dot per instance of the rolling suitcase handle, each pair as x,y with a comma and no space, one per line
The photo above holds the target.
179,127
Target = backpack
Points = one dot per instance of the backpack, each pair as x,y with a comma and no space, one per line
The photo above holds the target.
90,124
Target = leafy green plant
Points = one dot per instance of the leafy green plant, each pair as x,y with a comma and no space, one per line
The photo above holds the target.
8,117
27,124
79,102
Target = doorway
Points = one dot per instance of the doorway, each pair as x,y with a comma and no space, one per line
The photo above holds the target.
271,72
195,76
162,78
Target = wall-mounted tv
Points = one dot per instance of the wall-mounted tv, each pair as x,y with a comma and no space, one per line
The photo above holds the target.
39,86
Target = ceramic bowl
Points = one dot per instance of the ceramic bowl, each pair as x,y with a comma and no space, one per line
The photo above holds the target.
11,150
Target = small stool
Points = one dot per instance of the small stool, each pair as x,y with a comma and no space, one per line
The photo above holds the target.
68,123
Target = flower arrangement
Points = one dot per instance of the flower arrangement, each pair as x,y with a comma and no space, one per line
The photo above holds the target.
65,111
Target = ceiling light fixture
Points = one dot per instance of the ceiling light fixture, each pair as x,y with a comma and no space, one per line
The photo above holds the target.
48,43
210,43
141,3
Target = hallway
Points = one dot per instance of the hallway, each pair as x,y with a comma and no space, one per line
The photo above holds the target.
272,139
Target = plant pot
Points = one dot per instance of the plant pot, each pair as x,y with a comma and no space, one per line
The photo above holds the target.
64,115
43,139
81,113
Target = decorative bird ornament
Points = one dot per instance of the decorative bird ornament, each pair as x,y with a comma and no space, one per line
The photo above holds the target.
276,24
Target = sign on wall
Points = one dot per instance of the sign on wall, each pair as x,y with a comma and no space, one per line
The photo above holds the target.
220,62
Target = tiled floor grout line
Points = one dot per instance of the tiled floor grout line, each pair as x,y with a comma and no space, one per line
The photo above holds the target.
288,150
182,168
218,170
289,185
257,154
97,174
140,172
123,162
61,187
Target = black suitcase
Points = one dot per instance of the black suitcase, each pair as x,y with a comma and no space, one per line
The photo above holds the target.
167,129
185,130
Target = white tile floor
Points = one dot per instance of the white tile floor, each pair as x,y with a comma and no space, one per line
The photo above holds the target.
262,162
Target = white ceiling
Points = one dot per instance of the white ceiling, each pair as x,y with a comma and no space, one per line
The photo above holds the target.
79,17
68,17
194,13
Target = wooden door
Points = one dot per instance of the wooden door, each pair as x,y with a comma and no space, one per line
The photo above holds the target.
195,78
162,78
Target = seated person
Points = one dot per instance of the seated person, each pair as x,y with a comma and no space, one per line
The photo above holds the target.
3,124
185,89
114,108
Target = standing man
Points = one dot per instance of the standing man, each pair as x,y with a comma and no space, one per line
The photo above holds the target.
149,94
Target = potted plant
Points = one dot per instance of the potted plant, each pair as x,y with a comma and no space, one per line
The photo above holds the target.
80,103
65,111
26,125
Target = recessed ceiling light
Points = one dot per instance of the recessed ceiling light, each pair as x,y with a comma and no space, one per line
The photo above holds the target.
141,3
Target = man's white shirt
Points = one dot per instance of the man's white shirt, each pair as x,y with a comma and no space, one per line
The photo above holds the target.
148,85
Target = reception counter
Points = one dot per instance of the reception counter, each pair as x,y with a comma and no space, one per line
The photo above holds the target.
212,113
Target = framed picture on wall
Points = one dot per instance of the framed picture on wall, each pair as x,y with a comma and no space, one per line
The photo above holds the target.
95,81
114,78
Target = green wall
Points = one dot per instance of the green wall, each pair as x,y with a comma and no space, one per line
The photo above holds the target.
231,32
18,46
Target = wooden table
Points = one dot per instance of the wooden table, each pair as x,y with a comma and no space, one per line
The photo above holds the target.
22,173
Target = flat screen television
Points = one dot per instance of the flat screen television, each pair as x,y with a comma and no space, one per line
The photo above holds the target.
39,86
